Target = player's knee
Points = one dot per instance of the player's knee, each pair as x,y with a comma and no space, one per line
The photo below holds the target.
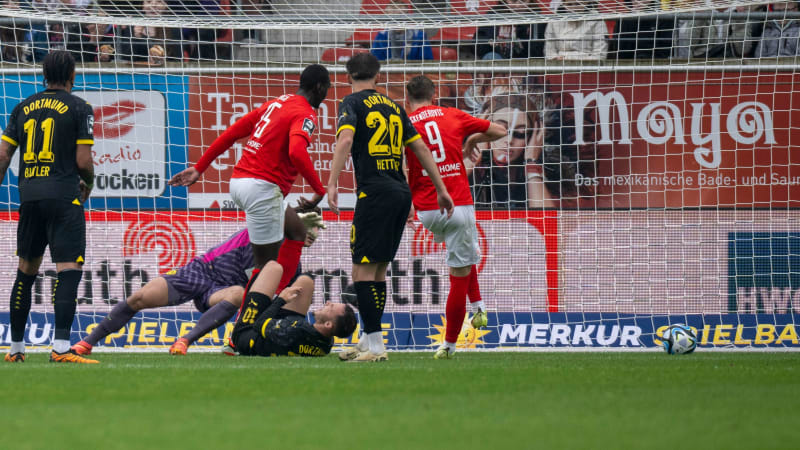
137,301
306,282
271,268
235,297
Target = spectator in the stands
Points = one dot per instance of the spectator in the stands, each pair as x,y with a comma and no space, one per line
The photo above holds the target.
92,42
148,45
781,36
11,36
576,39
508,41
406,44
745,34
644,38
200,43
720,37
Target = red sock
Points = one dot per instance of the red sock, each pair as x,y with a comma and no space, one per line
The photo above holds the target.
456,307
474,290
289,258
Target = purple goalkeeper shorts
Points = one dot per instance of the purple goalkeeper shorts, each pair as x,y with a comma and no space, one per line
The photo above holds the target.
194,282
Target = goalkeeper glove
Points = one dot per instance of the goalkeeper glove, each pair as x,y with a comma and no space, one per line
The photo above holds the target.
311,220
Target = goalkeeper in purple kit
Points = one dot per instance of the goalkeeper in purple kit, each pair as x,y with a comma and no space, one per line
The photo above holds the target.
215,282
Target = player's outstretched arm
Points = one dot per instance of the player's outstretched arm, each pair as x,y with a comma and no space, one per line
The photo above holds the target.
242,128
344,142
426,160
6,152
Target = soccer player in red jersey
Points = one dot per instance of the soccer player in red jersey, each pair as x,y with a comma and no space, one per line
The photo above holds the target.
444,130
280,132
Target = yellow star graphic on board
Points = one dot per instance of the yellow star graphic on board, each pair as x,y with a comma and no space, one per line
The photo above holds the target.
468,338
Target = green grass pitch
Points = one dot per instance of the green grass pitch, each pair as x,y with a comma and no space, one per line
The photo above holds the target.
478,400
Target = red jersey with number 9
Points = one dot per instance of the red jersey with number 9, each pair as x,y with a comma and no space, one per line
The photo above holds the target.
443,130
266,153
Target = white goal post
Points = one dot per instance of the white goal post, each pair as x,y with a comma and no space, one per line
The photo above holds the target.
665,189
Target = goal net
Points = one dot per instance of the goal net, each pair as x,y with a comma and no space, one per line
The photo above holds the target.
651,174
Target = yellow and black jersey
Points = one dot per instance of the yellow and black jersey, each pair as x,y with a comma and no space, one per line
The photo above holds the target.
47,127
381,130
264,328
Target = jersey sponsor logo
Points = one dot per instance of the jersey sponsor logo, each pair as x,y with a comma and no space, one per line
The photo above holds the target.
308,126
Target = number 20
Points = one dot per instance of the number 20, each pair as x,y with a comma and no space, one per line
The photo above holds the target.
376,120
46,154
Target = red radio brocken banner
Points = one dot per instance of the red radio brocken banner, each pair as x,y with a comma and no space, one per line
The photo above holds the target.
605,140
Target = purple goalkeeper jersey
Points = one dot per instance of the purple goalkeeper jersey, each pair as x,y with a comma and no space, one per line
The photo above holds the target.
230,260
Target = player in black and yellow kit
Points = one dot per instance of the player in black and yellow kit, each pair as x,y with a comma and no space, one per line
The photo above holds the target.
277,326
376,130
56,173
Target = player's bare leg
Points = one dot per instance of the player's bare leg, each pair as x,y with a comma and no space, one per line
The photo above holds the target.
223,305
302,302
370,283
20,307
154,294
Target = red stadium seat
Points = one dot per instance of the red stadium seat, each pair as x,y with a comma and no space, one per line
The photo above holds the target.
463,33
340,54
444,53
365,36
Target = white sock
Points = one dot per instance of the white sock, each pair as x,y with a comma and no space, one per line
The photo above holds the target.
478,305
450,345
375,341
60,345
363,343
17,347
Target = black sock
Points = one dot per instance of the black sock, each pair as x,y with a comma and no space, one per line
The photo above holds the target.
214,317
116,319
20,305
371,296
65,300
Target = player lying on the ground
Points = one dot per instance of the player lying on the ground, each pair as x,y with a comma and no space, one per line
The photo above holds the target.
278,327
214,282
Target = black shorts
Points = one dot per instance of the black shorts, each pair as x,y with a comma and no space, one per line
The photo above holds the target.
57,223
378,224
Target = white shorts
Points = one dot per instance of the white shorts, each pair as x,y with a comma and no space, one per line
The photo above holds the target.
459,234
263,206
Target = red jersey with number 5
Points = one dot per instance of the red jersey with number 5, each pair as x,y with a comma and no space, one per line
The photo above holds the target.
270,153
443,130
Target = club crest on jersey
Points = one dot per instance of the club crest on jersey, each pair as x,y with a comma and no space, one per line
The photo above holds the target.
308,126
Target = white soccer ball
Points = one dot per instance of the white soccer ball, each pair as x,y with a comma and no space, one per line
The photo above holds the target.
679,339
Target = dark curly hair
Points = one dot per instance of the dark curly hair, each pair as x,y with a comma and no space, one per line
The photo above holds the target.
58,67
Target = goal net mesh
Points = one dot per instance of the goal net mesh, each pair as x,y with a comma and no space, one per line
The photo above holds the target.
650,176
